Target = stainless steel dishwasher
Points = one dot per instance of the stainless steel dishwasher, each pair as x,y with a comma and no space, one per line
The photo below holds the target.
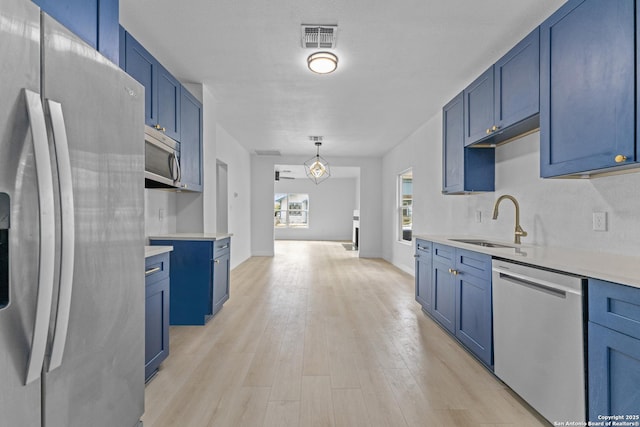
538,338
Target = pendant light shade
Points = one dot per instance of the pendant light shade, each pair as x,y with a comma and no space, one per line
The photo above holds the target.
322,62
317,168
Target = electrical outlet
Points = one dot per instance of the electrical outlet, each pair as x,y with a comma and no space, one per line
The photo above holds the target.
599,221
478,216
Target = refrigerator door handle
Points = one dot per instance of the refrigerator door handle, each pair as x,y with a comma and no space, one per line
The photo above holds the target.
67,214
44,179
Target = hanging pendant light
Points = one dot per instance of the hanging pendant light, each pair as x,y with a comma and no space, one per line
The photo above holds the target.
317,168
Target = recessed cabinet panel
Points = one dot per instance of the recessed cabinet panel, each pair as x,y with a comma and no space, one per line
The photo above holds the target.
140,65
517,83
587,87
423,274
479,108
190,141
453,145
168,103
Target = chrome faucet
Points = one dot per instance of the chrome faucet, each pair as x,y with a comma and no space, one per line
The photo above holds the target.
519,232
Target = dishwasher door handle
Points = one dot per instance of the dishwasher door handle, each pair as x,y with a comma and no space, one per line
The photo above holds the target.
536,283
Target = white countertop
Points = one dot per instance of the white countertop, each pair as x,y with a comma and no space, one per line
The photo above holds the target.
150,251
615,268
192,236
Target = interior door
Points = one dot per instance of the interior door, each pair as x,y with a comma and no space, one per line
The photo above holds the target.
19,48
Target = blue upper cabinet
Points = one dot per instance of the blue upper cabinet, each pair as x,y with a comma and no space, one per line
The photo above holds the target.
517,86
190,141
142,66
162,90
479,108
463,169
168,90
504,101
94,21
588,87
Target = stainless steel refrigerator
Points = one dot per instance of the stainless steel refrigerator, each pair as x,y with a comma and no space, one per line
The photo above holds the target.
71,230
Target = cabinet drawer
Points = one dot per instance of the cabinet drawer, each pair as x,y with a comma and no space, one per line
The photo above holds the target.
221,247
615,306
423,247
156,268
445,254
474,263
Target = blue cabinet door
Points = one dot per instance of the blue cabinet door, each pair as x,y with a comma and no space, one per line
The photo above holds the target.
162,90
463,169
423,274
517,82
94,21
443,287
473,303
587,86
156,312
614,373
141,65
479,108
168,93
190,141
453,145
191,280
221,268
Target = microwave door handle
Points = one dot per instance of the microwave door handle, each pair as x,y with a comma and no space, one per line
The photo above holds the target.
67,214
178,175
47,236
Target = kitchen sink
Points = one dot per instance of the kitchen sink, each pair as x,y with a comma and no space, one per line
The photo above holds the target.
484,243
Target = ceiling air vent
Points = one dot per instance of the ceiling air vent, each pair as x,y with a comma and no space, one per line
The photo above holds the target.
319,36
267,152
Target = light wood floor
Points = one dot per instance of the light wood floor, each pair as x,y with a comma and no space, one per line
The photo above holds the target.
318,337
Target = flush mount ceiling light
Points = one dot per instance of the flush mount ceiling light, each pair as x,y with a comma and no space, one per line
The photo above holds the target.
322,62
317,168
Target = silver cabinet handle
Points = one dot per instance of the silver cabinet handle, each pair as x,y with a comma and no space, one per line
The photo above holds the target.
67,214
47,235
224,247
151,271
217,261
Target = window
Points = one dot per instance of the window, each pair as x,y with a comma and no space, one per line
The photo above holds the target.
291,210
405,205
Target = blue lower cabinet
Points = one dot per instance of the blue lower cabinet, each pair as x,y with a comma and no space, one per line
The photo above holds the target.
460,300
199,279
156,313
423,274
614,350
474,318
444,287
614,373
221,267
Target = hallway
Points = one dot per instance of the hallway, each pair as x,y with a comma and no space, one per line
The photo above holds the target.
318,337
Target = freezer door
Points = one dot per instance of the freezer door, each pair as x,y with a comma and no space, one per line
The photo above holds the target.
19,229
100,381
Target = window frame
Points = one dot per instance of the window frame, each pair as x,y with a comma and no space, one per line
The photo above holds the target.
287,211
404,207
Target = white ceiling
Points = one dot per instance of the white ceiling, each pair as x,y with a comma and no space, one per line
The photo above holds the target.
399,63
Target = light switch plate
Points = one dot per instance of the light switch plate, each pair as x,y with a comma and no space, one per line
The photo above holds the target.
599,221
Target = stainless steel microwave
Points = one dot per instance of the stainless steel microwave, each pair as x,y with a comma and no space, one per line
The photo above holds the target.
161,160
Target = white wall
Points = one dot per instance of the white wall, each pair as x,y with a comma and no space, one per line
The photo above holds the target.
555,212
331,205
154,201
238,163
262,168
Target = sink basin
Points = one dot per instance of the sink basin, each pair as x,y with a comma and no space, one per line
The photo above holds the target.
484,243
